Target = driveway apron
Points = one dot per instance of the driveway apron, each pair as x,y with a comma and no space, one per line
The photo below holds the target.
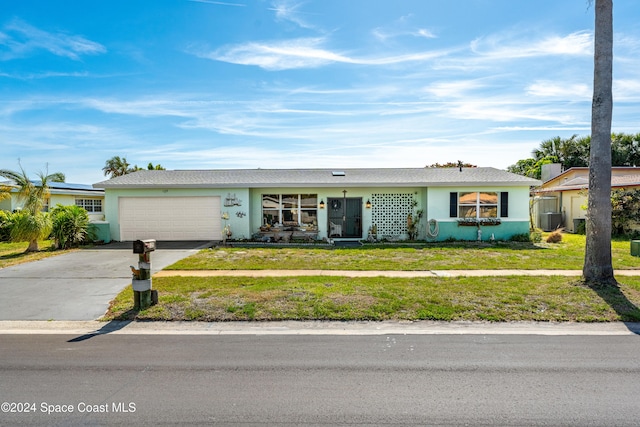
78,285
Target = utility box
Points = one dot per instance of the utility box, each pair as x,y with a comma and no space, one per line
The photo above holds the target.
144,246
635,247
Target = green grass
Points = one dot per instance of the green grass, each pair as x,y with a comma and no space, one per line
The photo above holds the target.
14,253
566,255
499,299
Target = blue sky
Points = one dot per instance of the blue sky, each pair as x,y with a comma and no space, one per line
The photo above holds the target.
204,84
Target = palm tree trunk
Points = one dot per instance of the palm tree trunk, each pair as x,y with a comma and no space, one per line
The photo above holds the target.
598,270
33,246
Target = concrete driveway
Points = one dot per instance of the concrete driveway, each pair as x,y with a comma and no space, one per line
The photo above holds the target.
78,285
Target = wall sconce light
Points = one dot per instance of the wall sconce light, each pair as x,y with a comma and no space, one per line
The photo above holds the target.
368,204
321,204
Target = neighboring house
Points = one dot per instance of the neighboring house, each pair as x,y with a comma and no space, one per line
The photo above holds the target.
64,193
317,204
562,198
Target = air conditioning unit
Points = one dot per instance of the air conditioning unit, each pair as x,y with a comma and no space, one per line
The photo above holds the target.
550,221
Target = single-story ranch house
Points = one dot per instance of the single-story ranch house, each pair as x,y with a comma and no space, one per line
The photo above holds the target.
561,200
61,193
66,194
278,205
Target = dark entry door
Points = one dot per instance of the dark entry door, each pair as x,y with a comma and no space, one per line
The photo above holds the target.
345,217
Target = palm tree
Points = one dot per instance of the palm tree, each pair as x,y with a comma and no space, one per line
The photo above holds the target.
5,191
153,167
598,269
116,166
31,224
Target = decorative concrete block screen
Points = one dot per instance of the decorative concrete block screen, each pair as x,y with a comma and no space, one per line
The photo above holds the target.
389,212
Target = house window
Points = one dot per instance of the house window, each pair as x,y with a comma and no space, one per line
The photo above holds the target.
290,209
478,205
90,205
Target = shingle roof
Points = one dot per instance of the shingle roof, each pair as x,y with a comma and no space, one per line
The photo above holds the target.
256,178
577,178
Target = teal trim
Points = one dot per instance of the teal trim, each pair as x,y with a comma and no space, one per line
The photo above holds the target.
504,231
102,231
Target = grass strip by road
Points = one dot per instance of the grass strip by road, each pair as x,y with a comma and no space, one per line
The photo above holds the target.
566,255
499,299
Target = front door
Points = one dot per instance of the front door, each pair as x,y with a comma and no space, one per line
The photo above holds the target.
345,217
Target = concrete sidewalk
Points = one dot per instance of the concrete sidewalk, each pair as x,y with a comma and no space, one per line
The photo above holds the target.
379,273
426,327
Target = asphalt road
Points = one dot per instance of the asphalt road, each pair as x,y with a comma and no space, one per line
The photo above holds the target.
521,380
77,285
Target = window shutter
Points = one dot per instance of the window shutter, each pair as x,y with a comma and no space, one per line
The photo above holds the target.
453,205
504,204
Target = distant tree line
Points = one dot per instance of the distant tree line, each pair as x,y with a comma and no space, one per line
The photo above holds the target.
574,152
458,164
118,166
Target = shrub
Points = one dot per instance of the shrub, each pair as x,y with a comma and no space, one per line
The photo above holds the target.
26,227
625,211
522,237
555,237
533,237
5,226
536,236
71,226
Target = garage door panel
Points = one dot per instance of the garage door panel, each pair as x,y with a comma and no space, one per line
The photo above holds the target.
170,218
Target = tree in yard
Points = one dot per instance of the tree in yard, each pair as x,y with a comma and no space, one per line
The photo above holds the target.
153,167
31,223
5,191
598,269
571,152
116,166
531,167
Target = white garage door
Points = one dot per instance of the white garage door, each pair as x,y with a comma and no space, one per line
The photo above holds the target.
170,218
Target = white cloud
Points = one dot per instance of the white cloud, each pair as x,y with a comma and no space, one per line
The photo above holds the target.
282,55
290,11
626,90
303,53
504,47
453,89
555,89
423,32
21,39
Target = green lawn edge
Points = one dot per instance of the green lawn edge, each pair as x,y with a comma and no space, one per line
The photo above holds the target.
566,255
495,299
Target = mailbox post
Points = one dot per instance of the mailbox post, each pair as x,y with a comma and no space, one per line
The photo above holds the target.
143,296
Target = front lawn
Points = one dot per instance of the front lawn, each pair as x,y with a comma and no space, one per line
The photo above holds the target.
14,253
566,255
502,299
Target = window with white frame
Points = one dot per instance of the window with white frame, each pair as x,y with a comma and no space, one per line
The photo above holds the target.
90,205
290,209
